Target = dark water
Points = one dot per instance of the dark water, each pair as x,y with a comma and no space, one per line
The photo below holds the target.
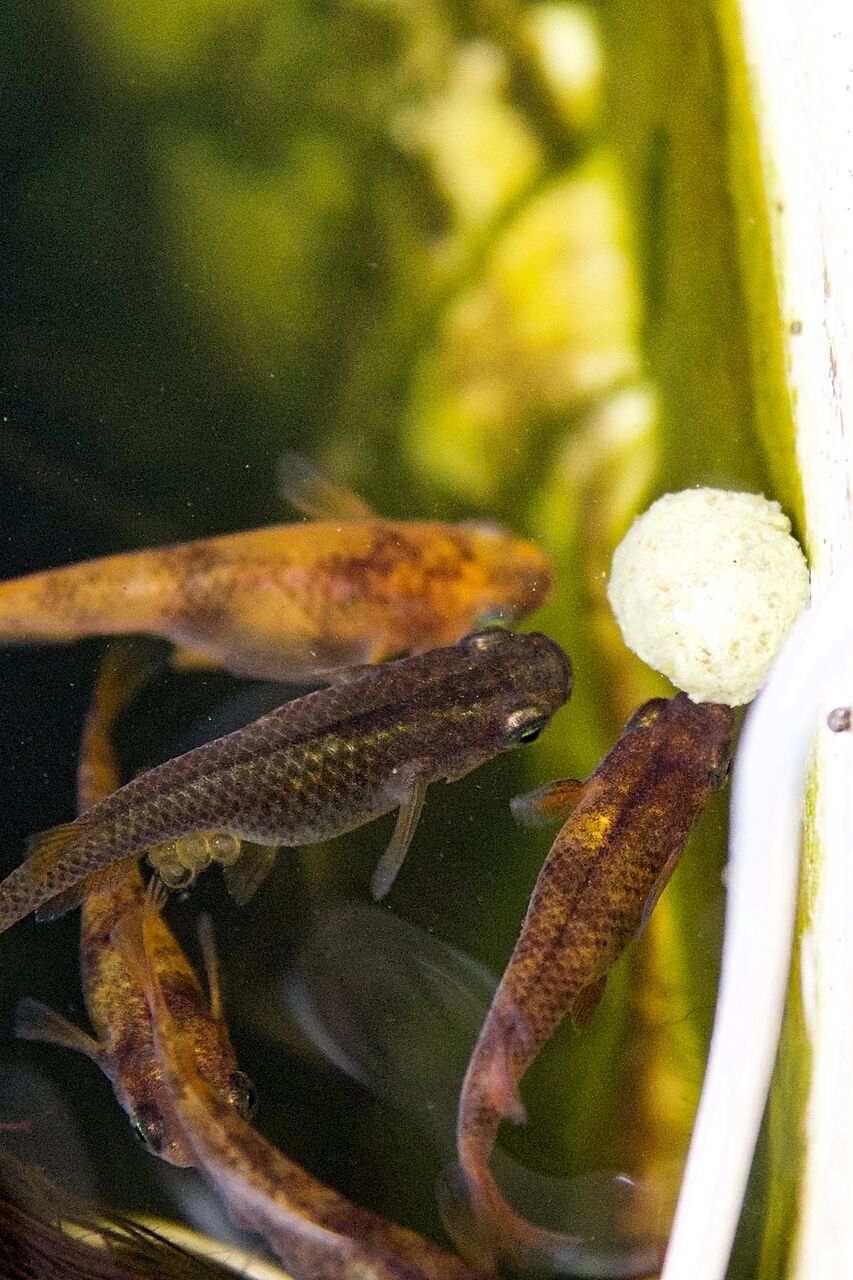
221,243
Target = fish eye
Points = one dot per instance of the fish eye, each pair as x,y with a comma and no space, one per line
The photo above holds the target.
491,618
524,725
243,1096
718,776
485,640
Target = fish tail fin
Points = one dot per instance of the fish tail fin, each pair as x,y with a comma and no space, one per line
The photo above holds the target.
35,1021
487,1231
28,611
464,1219
126,667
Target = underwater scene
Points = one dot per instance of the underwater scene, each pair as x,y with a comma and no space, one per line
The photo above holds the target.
344,342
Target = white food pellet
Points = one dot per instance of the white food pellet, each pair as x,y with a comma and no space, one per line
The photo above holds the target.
705,587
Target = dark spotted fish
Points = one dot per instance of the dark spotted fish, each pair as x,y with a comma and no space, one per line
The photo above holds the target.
315,768
627,829
315,1231
123,1044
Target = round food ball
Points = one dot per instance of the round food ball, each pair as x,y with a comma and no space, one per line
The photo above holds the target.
705,586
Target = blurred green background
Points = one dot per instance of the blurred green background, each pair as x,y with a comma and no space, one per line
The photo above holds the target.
476,259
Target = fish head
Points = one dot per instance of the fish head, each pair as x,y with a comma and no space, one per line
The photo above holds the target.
516,683
157,1129
717,721
517,578
697,732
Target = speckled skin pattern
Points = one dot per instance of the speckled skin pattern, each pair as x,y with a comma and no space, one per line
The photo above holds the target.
626,833
315,1231
116,1003
294,600
317,767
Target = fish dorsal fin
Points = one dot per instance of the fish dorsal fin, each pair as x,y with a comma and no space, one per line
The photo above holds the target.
548,804
245,876
35,1021
99,881
314,495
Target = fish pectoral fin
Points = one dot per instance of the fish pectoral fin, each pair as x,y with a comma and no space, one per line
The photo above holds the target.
35,1021
586,1001
314,495
658,887
99,881
207,942
398,846
550,803
183,659
245,876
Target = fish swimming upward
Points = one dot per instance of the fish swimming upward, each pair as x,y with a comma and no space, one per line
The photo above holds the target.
315,768
117,1006
292,601
626,831
315,1231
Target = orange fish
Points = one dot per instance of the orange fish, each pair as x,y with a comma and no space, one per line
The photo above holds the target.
292,601
314,1230
116,1005
626,831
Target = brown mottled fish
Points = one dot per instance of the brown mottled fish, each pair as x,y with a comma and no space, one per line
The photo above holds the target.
315,1231
293,601
315,768
117,1007
627,829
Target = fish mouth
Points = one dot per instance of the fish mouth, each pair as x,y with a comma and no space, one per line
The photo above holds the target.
558,665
